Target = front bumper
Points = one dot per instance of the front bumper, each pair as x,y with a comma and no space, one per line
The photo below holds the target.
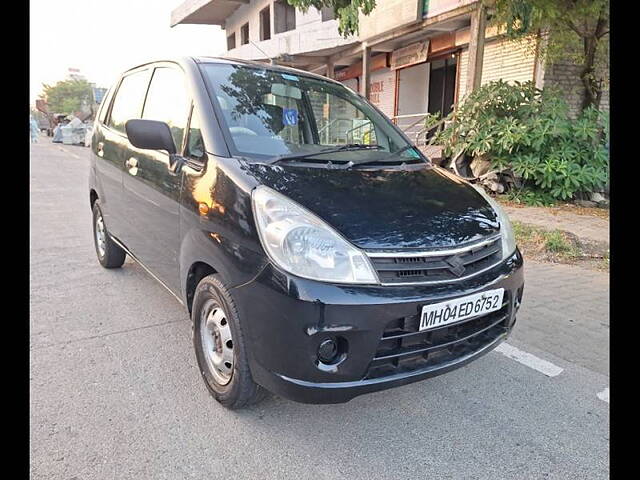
285,318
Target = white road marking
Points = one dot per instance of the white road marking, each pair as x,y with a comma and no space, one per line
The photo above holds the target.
604,395
531,361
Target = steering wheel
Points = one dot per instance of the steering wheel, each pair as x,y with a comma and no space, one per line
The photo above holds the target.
242,131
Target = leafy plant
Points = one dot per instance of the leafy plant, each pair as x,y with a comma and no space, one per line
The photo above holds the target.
556,243
532,198
522,128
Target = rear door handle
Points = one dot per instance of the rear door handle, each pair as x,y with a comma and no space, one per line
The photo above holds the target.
100,149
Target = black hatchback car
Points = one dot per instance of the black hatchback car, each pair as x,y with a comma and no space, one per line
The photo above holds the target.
319,253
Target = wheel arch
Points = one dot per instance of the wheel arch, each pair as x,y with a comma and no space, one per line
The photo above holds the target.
197,271
203,253
93,196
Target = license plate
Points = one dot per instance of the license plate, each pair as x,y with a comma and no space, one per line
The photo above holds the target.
461,308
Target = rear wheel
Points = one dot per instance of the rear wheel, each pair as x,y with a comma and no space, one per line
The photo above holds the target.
109,253
220,348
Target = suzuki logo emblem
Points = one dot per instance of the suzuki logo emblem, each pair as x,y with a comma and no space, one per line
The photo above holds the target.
456,265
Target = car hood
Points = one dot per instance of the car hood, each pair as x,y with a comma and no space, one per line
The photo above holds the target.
387,209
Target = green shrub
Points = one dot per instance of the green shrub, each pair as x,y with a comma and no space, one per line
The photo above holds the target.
556,243
532,198
529,131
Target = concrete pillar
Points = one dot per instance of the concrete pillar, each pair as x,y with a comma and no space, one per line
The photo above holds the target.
330,69
540,63
476,47
365,84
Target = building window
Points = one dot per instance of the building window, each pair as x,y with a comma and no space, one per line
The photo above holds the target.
244,34
231,41
327,14
265,24
284,16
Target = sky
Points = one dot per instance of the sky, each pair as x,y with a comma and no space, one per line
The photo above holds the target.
102,38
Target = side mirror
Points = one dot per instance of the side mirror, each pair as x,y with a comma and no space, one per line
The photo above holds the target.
150,135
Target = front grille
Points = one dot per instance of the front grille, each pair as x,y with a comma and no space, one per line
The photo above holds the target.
433,266
404,349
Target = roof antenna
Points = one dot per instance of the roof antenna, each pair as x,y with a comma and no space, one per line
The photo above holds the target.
271,60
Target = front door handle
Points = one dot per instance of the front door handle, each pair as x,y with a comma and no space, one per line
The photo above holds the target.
100,149
132,165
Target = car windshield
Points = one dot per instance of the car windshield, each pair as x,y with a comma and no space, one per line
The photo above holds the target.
272,114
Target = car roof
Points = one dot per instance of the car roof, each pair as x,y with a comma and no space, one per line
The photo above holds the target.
236,61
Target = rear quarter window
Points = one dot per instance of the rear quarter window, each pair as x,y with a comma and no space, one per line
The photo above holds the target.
104,106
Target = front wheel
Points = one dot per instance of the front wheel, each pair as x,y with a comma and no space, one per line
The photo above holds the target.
109,253
220,348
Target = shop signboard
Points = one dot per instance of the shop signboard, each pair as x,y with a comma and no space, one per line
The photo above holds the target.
410,55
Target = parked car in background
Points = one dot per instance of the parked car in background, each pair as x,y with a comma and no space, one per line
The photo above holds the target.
320,255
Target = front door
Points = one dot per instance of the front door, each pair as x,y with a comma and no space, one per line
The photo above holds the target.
152,190
442,86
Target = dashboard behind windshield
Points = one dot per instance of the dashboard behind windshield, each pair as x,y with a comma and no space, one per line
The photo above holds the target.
268,113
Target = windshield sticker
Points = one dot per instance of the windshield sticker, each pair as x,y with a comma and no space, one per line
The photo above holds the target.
289,116
412,153
290,77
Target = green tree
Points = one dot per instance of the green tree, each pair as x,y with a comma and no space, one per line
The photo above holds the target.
346,11
575,30
67,96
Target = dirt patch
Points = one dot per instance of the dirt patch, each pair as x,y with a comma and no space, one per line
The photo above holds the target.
560,246
564,207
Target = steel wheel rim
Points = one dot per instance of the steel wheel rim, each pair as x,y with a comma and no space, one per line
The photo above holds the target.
100,235
217,344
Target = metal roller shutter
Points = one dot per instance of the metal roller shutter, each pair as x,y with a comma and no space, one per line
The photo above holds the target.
504,59
383,90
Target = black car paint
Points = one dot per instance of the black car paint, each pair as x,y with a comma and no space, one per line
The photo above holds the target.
373,209
156,216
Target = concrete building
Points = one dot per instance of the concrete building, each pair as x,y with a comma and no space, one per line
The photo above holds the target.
411,57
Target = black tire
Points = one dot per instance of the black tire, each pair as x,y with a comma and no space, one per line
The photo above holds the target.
113,256
241,390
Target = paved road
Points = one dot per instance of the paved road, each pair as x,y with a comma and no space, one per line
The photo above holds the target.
115,392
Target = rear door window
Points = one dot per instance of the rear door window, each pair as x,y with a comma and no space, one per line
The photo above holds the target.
129,99
167,101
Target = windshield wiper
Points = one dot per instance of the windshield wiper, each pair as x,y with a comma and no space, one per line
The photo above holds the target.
342,148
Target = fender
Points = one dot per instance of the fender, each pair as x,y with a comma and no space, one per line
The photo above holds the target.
237,264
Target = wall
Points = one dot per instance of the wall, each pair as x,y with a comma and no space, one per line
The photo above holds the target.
388,15
565,76
311,33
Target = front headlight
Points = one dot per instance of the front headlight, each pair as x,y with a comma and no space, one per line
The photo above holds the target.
302,244
506,229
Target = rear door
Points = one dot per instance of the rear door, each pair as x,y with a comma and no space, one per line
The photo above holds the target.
152,191
111,147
